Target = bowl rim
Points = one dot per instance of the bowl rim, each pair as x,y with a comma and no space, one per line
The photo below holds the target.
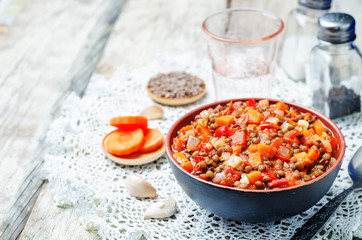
335,130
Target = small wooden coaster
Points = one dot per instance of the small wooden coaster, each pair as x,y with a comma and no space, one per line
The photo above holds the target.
137,158
176,88
176,101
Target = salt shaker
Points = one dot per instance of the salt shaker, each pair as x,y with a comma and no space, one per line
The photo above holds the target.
301,36
336,67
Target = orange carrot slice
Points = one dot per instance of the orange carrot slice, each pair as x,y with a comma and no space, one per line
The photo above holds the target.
255,116
129,122
254,176
123,142
225,120
153,140
318,127
281,106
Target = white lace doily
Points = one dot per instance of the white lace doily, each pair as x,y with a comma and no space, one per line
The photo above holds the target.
80,175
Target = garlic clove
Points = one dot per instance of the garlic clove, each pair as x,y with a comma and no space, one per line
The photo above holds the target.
161,209
152,112
139,187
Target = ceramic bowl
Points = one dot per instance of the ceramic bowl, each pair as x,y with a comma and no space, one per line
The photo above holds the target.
254,205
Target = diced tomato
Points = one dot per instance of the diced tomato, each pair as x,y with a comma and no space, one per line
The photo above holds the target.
281,106
222,131
178,145
232,171
225,120
333,141
231,106
238,138
283,153
254,176
266,134
231,131
292,136
266,150
278,183
268,125
255,116
196,169
199,159
231,176
250,103
236,150
271,175
242,120
203,146
255,159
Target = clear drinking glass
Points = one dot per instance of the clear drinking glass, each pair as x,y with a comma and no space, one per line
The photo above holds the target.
243,44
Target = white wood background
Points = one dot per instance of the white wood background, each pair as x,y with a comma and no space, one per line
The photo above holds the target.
53,46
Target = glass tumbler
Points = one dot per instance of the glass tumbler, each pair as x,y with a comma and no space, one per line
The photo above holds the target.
243,45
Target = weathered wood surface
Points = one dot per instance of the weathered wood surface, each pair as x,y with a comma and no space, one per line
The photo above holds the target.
146,28
50,49
143,29
51,222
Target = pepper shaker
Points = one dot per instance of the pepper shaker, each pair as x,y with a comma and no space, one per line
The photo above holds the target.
301,36
336,67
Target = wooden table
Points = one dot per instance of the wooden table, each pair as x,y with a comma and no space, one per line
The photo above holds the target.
52,48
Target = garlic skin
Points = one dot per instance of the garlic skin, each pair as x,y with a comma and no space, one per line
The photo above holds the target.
139,187
161,209
152,112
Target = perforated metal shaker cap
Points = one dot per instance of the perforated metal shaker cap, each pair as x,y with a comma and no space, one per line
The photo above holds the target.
336,28
316,4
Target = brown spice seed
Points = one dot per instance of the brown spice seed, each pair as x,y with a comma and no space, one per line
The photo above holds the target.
175,85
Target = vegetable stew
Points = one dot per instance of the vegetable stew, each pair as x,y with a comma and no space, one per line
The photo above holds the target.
255,145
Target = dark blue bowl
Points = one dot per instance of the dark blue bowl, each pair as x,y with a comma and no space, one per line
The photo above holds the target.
254,205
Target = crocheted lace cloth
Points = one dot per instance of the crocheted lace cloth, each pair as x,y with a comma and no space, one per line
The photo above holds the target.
82,177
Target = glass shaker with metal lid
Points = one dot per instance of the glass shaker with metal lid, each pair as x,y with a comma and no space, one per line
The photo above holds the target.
336,67
301,36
